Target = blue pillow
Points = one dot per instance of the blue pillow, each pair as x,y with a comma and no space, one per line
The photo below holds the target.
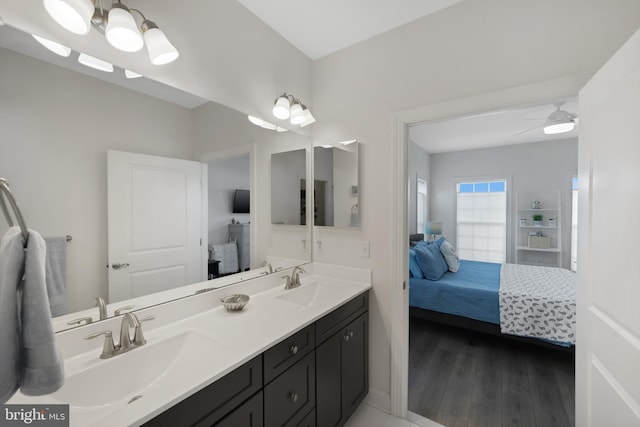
431,261
414,268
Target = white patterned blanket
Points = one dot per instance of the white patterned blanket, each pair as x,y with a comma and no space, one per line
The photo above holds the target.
538,302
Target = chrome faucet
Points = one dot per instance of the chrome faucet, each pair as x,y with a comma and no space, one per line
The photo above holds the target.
129,320
102,308
267,264
293,281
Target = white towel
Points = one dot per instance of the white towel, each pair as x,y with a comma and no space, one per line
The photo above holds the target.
30,358
227,254
57,274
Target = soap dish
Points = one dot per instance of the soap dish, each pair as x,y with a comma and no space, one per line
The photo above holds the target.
235,302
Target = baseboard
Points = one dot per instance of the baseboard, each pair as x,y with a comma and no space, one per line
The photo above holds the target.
379,399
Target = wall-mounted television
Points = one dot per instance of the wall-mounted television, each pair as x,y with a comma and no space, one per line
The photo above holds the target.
241,201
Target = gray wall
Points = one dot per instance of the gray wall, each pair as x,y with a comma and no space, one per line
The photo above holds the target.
536,168
418,167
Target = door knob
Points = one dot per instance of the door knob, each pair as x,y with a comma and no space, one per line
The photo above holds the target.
119,265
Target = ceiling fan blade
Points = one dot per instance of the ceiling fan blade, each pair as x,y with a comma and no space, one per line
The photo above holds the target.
527,130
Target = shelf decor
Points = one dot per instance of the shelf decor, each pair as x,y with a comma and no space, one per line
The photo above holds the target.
537,220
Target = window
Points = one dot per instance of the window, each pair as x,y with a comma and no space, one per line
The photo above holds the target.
574,225
481,220
421,205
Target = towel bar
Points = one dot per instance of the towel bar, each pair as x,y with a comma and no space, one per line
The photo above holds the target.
4,186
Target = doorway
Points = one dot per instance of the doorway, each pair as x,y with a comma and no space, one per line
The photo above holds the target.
524,95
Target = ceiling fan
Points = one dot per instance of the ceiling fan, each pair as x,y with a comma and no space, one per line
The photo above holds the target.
559,121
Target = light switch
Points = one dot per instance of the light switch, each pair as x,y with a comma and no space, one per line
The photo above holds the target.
364,249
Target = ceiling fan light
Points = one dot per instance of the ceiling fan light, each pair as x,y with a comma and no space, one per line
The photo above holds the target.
54,47
557,128
95,63
281,108
160,49
297,114
121,31
73,15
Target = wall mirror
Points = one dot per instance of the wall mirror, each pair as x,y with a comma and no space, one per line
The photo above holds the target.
288,188
335,185
58,125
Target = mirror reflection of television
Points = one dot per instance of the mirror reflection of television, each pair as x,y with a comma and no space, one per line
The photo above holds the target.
241,201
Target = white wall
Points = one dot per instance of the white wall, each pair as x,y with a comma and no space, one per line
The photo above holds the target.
55,129
473,47
535,170
225,176
419,162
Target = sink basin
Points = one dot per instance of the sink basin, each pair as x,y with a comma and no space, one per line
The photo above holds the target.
301,296
97,388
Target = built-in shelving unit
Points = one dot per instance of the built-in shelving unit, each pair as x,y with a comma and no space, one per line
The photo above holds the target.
545,248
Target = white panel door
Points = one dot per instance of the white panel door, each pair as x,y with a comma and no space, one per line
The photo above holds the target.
608,323
155,234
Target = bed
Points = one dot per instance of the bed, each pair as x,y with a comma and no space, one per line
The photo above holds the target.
527,303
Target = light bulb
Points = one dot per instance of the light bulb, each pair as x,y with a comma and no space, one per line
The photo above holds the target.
121,31
73,15
281,108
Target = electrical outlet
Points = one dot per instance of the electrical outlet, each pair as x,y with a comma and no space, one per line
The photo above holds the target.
365,249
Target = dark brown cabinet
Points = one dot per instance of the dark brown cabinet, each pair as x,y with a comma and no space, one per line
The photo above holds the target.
342,372
317,376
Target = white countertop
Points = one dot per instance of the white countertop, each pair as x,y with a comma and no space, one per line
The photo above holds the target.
200,340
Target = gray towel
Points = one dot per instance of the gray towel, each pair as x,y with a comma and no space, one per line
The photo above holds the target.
57,274
11,272
29,355
42,367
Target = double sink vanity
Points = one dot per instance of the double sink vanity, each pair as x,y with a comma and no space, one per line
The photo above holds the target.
291,357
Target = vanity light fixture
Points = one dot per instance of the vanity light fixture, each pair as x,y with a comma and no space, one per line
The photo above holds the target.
95,63
265,124
118,25
54,47
290,107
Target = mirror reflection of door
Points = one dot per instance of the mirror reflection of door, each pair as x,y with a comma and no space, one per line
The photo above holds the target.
155,234
322,215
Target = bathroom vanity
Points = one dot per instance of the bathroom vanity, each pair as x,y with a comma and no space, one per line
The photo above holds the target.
320,372
291,357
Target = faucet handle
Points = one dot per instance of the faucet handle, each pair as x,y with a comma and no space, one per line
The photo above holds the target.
119,311
138,336
79,321
108,348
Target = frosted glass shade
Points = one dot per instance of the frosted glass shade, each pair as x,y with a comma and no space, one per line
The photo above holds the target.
54,47
281,108
297,115
160,49
73,15
122,32
559,128
95,63
308,118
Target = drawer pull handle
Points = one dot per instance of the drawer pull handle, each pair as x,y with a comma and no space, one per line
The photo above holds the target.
293,397
346,337
294,349
351,334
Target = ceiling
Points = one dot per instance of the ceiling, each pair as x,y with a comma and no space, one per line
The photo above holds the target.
318,28
492,129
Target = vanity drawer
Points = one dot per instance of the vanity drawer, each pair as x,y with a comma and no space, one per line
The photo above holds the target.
283,355
289,398
340,317
212,403
249,414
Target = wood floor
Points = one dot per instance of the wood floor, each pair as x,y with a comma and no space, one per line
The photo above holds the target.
460,378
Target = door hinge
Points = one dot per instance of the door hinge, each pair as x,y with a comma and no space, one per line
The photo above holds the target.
404,285
201,241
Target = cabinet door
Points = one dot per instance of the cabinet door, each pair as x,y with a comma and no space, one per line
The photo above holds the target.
249,414
355,364
329,382
342,373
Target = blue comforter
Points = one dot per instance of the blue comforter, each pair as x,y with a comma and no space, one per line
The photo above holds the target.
471,292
